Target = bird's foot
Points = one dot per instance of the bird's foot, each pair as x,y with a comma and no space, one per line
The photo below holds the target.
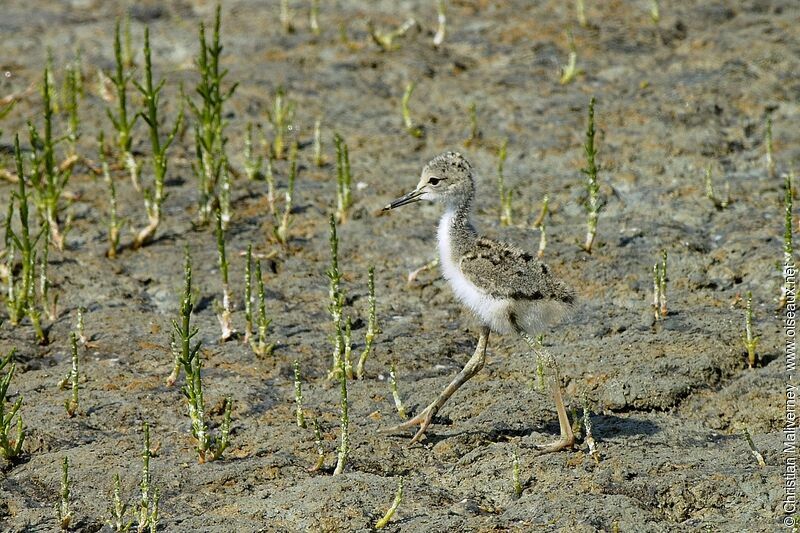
563,443
423,420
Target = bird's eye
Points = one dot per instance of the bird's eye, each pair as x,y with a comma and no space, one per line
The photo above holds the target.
434,181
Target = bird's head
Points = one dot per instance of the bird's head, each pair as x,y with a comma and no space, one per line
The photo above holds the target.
446,179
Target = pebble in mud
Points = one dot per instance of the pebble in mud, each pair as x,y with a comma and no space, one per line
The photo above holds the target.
466,507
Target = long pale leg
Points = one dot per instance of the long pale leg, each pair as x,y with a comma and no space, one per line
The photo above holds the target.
567,438
473,366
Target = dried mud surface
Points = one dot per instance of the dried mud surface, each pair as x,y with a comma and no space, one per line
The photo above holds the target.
671,399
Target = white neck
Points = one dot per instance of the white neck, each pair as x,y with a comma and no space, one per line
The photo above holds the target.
491,311
444,237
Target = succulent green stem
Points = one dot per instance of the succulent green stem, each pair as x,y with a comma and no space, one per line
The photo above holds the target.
344,445
71,404
398,498
343,179
154,197
10,447
298,396
372,324
413,130
63,511
592,188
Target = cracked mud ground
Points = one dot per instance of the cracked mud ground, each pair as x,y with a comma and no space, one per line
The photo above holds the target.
671,399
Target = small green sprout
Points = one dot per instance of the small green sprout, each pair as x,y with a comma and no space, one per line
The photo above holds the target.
474,132
280,117
335,298
372,325
344,445
248,293
118,509
286,17
441,28
750,339
398,498
505,194
581,10
655,12
115,224
319,158
413,130
298,396
570,71
154,198
719,204
71,404
587,424
398,402
753,450
386,40
344,179
207,447
592,188
147,515
660,287
252,163
63,512
224,314
11,448
313,17
318,444
261,347
517,484
543,212
124,124
768,142
280,228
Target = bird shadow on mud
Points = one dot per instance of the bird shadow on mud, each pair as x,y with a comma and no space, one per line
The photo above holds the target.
611,426
604,426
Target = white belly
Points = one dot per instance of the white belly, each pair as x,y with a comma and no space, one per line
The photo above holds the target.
493,312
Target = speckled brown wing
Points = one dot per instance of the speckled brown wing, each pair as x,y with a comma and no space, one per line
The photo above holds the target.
504,271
